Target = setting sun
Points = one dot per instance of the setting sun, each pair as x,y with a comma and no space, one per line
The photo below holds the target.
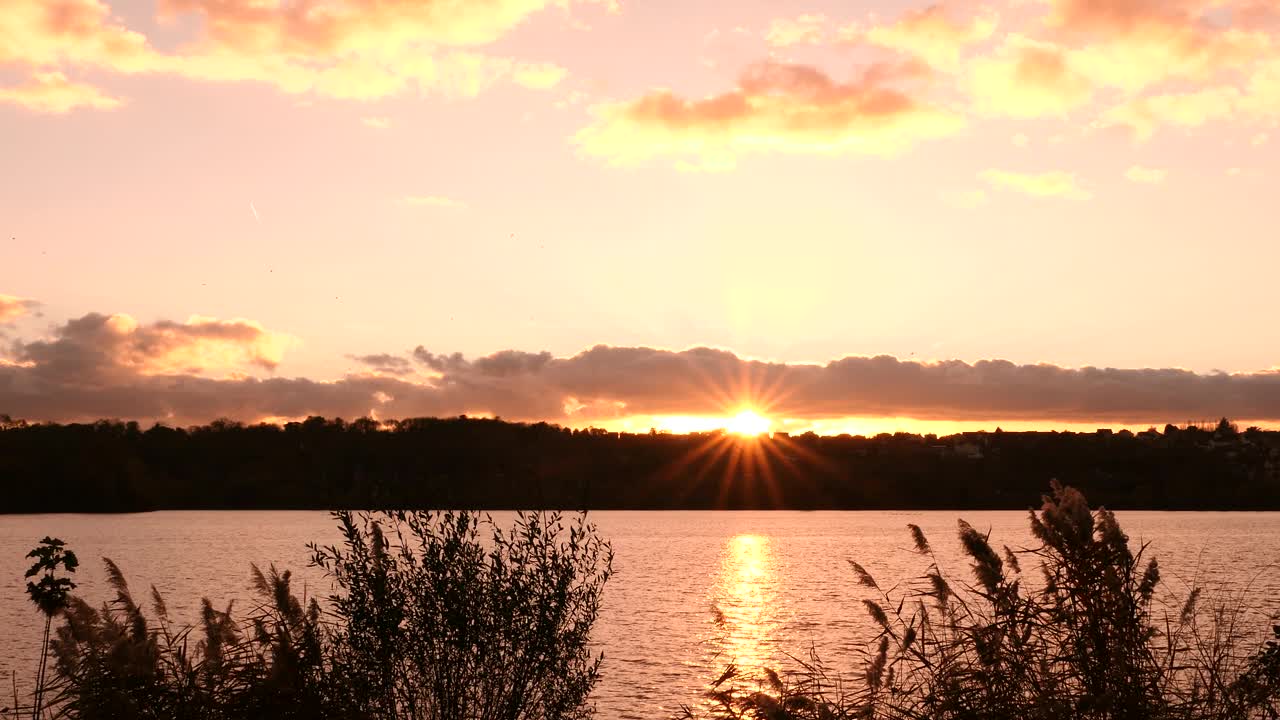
748,422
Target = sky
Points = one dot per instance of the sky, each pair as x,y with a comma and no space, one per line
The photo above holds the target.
843,216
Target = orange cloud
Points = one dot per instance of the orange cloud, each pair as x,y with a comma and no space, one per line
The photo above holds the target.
351,49
46,33
932,35
106,347
783,107
13,307
1136,44
1046,184
1120,16
1121,51
53,92
1027,78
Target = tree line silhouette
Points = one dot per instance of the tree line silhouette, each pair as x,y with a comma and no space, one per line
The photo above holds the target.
112,466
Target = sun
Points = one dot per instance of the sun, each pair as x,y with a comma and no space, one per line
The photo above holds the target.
748,423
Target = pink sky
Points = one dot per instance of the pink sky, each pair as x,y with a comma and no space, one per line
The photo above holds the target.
226,192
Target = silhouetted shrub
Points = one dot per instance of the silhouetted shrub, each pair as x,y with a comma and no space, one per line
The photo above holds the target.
1081,641
434,623
430,621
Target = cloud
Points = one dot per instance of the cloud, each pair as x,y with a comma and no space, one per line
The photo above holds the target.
376,122
52,92
1256,14
1027,78
48,33
1261,100
106,348
776,106
439,363
13,307
317,27
537,76
1153,62
506,363
932,35
1146,175
385,73
1142,60
805,29
345,49
102,366
386,363
434,201
1046,184
1114,16
1135,44
1145,115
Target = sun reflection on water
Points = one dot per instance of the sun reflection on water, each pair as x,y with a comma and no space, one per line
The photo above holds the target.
744,601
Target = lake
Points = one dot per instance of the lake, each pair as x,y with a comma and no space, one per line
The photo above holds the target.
781,579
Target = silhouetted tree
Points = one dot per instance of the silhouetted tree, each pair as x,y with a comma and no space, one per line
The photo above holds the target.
486,463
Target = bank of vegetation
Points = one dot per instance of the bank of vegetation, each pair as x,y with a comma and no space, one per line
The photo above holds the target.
490,464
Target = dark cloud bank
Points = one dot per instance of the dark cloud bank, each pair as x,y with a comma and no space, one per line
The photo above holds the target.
99,366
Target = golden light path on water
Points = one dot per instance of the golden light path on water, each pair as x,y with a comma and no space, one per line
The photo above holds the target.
745,603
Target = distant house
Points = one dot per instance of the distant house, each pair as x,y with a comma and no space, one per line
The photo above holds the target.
969,450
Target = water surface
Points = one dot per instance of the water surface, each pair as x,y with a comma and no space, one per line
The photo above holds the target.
780,579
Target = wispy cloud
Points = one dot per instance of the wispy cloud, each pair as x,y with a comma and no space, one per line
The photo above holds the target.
1146,175
52,92
933,35
805,29
1192,109
1055,183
